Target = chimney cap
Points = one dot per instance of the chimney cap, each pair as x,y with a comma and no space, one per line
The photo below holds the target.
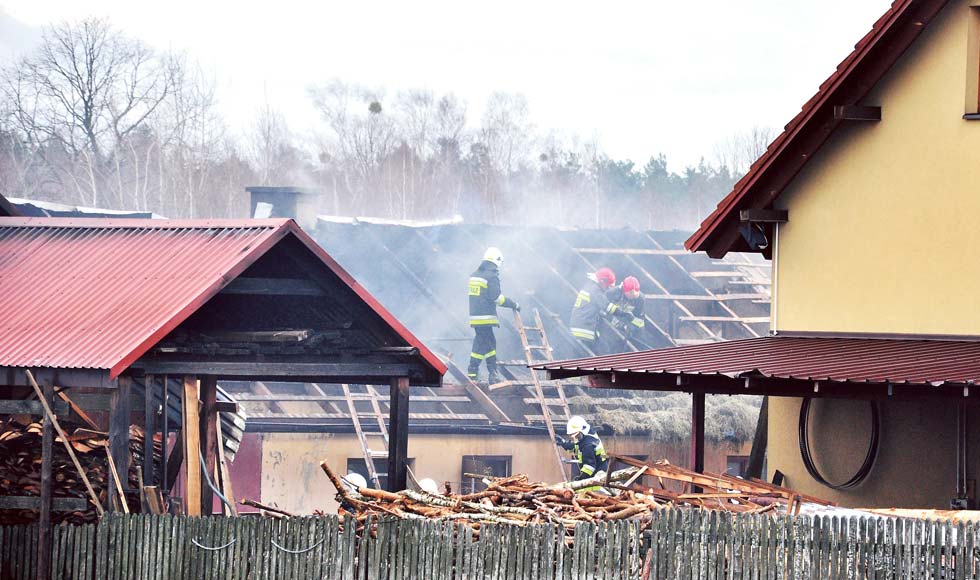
284,189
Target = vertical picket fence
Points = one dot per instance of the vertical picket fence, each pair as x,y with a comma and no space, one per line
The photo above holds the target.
164,547
680,544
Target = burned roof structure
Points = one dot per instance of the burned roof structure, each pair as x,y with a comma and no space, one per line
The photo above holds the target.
419,272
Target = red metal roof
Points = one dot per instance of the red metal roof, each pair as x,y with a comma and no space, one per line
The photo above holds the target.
864,360
99,293
854,77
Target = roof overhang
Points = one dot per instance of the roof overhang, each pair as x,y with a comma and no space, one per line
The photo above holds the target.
794,366
854,78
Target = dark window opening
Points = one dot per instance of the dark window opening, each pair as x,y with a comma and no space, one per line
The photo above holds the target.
485,465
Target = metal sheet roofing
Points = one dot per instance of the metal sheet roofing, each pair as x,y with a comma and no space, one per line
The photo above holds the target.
865,360
853,78
98,293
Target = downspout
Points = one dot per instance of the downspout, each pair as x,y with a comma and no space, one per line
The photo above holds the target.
773,295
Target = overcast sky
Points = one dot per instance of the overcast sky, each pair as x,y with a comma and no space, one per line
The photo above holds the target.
647,76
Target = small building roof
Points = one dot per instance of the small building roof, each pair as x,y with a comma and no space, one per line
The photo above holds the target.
793,366
855,76
100,293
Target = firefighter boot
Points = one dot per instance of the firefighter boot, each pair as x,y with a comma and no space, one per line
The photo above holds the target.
473,371
493,377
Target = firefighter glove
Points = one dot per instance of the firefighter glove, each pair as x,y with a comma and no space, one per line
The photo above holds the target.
517,307
559,440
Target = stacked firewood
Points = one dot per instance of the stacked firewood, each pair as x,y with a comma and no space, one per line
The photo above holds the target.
20,469
508,500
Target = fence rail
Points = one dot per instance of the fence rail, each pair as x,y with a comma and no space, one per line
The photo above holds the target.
682,544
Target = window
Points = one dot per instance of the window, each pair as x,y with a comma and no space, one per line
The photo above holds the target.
972,107
737,465
487,465
359,466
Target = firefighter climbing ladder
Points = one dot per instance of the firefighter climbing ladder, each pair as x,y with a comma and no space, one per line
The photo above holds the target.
362,436
555,401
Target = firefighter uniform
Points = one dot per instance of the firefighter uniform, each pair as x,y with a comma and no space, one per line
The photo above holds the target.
590,453
590,304
631,306
485,297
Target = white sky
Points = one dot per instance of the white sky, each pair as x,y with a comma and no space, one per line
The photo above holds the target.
646,76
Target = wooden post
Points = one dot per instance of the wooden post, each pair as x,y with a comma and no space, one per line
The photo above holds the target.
759,443
209,440
165,434
192,446
120,412
149,429
44,523
398,435
697,434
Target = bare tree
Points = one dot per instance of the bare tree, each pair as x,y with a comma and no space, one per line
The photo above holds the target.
84,92
739,151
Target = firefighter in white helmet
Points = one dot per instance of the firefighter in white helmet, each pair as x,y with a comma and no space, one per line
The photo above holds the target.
585,446
485,297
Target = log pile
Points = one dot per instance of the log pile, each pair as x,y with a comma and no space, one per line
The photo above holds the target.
20,469
508,500
633,492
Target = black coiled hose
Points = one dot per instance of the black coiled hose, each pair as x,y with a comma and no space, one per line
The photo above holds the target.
869,458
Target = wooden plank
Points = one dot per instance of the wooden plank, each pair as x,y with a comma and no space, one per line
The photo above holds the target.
190,429
44,519
28,407
273,287
398,435
149,429
473,390
857,113
708,298
633,251
379,372
739,320
245,397
226,487
119,420
209,437
758,215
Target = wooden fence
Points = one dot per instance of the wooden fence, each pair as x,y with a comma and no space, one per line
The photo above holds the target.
682,544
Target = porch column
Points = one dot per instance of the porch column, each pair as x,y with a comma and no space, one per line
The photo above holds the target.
398,435
121,409
190,430
697,434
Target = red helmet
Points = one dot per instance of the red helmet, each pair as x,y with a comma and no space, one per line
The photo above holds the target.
606,277
631,287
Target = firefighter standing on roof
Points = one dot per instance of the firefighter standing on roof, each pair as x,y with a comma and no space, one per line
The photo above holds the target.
592,303
628,298
485,297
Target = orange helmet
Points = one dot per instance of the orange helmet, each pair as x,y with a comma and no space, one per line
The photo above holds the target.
631,287
606,277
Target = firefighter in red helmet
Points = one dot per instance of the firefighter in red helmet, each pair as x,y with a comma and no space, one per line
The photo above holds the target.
591,303
630,301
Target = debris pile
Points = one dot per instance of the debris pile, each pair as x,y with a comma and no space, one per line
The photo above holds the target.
633,492
507,500
20,469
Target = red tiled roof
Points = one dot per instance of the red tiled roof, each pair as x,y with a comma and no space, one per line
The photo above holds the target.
854,77
99,293
856,360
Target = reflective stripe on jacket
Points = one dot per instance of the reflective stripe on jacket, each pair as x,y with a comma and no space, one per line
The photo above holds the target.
590,304
485,295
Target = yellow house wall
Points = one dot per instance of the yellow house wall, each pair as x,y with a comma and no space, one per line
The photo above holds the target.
916,464
293,481
882,238
882,228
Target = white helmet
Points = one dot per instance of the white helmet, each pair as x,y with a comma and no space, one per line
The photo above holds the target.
577,425
494,255
429,485
355,481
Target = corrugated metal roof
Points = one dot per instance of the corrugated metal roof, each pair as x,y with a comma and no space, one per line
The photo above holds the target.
901,15
870,360
98,293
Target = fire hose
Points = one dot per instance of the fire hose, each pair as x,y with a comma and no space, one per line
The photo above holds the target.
869,458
